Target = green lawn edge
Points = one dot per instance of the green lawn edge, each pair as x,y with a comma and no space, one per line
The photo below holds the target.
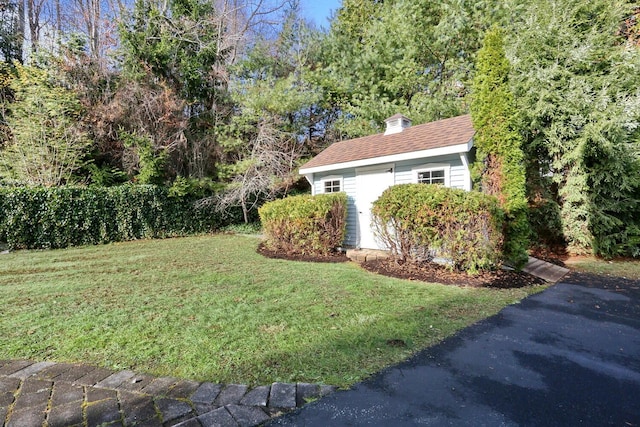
210,308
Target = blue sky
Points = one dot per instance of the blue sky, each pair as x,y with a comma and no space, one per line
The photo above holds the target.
319,10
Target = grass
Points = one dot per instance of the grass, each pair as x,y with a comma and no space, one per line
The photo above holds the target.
620,268
242,228
210,308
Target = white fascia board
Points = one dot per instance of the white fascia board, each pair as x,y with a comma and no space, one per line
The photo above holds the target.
433,152
467,171
309,177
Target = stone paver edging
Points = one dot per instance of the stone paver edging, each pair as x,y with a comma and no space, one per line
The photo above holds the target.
61,394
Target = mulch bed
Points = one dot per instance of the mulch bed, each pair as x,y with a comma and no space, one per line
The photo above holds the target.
555,255
435,273
427,272
334,257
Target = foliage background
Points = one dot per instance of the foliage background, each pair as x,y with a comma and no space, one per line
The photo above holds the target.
238,94
65,216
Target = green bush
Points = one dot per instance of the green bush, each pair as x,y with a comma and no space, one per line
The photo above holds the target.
309,225
58,217
418,222
546,223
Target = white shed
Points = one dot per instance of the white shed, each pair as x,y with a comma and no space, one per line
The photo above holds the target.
432,153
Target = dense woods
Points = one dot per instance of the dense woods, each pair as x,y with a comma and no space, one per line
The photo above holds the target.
224,99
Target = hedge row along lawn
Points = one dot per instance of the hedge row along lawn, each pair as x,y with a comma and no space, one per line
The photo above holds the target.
210,308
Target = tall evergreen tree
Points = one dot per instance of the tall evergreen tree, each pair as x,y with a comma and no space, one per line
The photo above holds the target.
500,161
575,78
178,44
414,57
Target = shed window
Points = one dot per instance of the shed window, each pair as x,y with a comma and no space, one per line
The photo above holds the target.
332,186
434,176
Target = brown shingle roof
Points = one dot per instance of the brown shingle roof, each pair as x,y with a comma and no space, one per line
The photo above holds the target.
442,133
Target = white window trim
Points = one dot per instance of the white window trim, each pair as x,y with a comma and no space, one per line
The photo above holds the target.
433,167
331,178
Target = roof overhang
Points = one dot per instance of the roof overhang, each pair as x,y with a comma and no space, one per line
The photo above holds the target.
432,152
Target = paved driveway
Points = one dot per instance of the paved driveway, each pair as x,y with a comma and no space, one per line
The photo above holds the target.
568,356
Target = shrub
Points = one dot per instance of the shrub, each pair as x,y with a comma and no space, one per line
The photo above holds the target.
46,144
418,222
309,225
58,217
405,220
546,223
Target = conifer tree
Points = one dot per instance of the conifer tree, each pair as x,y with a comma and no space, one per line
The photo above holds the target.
382,57
500,162
575,78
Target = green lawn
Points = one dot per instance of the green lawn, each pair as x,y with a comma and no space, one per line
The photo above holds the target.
210,308
619,268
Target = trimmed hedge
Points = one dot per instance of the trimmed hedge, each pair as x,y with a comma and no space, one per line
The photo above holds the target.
41,218
309,225
418,222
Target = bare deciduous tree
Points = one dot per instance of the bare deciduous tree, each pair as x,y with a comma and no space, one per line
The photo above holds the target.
97,20
241,21
36,9
266,171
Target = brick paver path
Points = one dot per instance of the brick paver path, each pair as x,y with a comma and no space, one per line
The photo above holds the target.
64,395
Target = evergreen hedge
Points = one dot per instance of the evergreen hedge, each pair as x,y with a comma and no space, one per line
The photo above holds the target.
41,218
308,225
418,222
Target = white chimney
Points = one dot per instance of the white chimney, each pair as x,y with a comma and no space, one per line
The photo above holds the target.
396,124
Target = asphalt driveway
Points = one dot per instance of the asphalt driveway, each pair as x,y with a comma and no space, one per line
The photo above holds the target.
565,357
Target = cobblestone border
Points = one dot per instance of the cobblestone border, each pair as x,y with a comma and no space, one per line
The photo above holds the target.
61,394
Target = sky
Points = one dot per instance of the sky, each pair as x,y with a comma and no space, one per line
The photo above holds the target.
319,10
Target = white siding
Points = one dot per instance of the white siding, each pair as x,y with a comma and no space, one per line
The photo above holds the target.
349,184
458,177
403,175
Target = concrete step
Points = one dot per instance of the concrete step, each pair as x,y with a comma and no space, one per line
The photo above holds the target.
545,270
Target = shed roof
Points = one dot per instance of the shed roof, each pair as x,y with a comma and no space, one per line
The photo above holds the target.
418,138
397,116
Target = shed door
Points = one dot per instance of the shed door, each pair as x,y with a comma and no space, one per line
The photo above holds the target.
370,183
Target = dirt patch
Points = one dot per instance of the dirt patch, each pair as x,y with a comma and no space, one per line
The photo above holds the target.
333,257
435,273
